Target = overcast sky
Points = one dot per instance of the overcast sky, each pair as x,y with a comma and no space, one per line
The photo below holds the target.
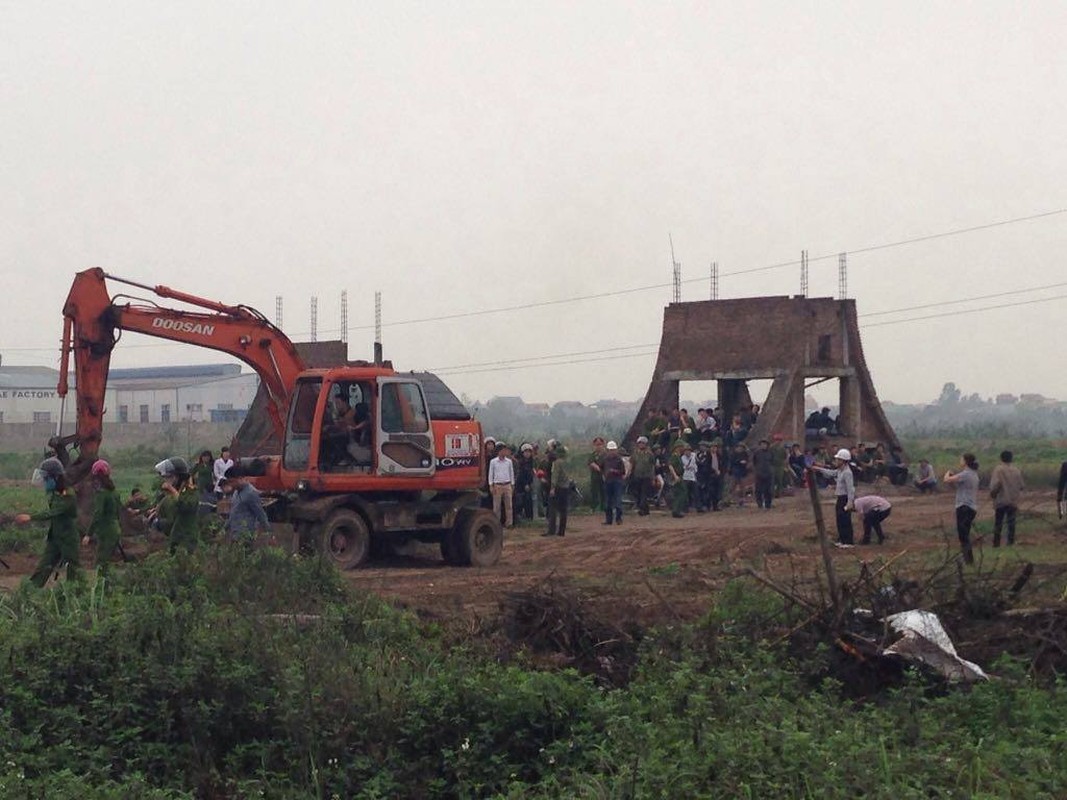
471,156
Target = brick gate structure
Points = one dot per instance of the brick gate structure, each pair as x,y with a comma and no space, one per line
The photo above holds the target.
796,342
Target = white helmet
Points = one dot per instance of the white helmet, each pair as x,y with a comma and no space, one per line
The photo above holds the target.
612,446
843,454
642,440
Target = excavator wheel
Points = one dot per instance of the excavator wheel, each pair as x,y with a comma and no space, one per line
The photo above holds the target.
480,538
450,549
345,539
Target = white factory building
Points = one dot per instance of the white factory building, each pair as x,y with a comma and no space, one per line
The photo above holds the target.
200,393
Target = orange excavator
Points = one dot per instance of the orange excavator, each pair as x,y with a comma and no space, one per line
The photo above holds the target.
367,454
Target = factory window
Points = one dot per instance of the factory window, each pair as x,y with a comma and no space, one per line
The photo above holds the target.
144,413
124,413
1,416
42,416
194,408
164,413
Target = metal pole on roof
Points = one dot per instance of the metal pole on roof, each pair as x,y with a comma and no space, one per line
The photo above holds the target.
378,328
344,316
677,272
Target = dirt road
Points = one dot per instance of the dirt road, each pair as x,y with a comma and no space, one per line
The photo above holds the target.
658,568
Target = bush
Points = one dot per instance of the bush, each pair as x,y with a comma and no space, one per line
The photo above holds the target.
231,674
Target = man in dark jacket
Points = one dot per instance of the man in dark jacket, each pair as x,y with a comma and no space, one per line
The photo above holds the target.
1061,492
559,491
643,464
763,470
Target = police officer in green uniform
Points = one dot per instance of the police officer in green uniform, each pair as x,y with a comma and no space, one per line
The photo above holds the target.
107,506
559,493
180,506
204,479
679,492
61,544
643,470
596,475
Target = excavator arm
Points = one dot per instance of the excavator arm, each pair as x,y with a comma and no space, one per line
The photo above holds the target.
94,321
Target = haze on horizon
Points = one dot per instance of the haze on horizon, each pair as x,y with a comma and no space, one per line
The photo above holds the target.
464,157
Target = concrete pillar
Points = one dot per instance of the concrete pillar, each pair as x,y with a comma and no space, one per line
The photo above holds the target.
733,396
851,421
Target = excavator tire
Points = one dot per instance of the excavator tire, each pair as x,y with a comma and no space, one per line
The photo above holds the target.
345,539
480,538
450,549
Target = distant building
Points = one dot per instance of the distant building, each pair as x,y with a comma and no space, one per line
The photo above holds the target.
199,393
28,394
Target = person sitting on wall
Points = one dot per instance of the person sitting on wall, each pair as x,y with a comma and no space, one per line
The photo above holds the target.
820,423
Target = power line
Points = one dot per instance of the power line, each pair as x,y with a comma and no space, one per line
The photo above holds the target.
552,364
649,287
967,311
541,358
964,300
780,265
901,242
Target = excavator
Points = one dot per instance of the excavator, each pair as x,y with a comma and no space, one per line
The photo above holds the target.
367,455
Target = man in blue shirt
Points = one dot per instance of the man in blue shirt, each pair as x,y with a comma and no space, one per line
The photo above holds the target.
247,517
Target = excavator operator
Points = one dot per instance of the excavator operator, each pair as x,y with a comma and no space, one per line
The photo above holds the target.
346,437
337,433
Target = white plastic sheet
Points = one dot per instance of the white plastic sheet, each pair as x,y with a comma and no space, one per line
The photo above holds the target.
923,640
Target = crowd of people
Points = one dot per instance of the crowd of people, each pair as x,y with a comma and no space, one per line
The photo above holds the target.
693,468
696,464
184,497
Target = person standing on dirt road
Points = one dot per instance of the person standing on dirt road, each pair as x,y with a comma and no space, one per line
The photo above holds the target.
873,510
1061,491
844,492
643,465
1005,487
502,485
763,469
614,480
679,492
966,481
559,493
61,543
104,528
596,475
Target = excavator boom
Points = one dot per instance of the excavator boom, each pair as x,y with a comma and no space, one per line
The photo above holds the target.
94,321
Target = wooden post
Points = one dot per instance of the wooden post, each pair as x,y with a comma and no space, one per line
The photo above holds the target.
824,542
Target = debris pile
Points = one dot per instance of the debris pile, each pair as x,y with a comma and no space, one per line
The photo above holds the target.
551,620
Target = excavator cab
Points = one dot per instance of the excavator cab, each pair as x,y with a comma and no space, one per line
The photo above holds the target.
351,424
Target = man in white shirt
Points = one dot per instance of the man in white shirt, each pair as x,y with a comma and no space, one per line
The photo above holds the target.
222,463
502,484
